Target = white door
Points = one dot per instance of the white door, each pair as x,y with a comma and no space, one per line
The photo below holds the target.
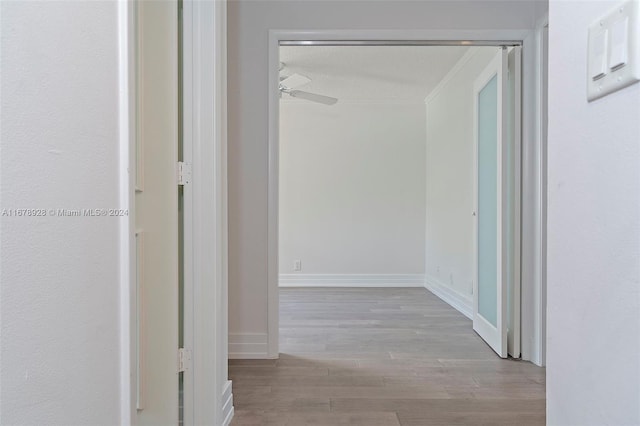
490,129
156,214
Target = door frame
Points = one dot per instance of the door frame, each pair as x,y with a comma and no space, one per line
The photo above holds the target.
532,269
208,397
127,82
540,296
209,401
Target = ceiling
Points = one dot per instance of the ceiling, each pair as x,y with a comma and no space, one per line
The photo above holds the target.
407,73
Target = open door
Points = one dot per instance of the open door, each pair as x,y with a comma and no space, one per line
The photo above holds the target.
491,204
513,198
156,214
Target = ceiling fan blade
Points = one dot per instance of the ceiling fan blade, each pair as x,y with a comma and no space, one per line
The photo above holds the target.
313,97
295,80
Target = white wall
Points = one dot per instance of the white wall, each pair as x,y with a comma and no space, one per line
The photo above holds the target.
450,181
352,187
593,346
59,275
249,22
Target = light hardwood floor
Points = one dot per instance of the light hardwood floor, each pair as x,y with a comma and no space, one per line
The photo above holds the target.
382,357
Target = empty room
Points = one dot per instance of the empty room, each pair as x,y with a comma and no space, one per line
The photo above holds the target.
397,216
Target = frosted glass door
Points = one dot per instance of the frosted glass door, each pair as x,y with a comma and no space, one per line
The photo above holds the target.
490,301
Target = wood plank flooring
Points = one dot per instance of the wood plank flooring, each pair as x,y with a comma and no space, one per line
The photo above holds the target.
382,357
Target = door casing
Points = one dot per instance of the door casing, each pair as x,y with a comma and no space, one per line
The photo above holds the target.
209,397
532,320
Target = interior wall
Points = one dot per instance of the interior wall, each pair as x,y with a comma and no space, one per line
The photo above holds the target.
450,180
59,275
593,253
249,23
351,188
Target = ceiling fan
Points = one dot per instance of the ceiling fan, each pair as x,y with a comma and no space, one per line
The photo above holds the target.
289,83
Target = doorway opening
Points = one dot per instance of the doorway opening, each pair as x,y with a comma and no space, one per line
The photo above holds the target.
399,166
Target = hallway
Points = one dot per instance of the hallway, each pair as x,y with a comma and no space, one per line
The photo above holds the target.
382,356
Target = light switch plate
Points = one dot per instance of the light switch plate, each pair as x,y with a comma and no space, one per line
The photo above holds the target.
619,30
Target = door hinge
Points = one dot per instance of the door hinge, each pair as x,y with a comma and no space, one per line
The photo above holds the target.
184,359
184,173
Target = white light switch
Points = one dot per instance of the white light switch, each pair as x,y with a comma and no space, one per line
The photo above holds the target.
619,43
598,54
614,50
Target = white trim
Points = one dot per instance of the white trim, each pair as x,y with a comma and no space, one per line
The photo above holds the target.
274,37
461,302
457,67
227,404
540,309
351,280
510,35
189,106
138,322
342,101
249,346
401,42
126,172
503,103
533,248
273,297
205,203
514,332
503,90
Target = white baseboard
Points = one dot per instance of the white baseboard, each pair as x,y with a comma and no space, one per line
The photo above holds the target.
248,346
227,404
351,280
459,301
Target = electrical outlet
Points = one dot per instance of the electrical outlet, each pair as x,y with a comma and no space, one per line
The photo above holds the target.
451,279
297,265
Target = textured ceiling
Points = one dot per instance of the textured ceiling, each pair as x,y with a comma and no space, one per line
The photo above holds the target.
407,73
